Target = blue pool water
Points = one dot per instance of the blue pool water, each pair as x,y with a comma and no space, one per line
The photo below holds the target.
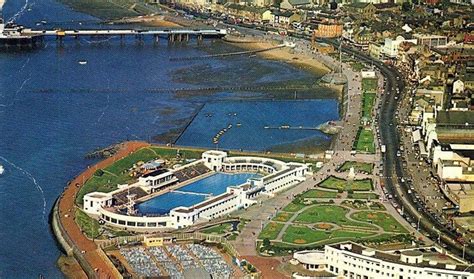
253,117
215,184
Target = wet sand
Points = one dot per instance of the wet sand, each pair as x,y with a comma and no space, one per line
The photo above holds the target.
287,55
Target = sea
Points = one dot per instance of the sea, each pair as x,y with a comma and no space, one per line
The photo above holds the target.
53,110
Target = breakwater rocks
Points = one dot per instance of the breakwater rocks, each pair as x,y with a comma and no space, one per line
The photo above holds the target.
334,78
103,152
330,127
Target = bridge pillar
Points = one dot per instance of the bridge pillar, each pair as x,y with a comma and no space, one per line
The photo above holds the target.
199,38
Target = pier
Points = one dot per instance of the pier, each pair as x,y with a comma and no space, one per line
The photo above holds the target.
15,35
284,127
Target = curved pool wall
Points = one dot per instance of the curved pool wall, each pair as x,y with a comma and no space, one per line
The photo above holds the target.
215,184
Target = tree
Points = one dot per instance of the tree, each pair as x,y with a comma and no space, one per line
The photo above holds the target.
406,6
415,2
99,172
266,242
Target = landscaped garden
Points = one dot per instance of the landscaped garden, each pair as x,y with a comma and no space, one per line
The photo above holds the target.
283,216
319,194
271,231
358,167
363,196
365,141
340,184
382,219
369,85
329,214
318,223
368,100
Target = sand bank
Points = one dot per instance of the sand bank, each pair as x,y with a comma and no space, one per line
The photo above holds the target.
301,60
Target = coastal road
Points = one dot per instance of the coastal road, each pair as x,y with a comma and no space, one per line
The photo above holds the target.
393,171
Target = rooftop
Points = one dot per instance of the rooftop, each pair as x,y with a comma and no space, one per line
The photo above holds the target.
449,262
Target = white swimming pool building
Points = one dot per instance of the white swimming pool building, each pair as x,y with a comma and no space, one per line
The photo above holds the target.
205,189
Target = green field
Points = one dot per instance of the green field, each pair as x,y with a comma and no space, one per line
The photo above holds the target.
218,229
343,185
294,207
369,85
271,231
357,66
283,216
118,173
368,100
328,214
363,196
315,194
358,167
305,235
88,225
382,219
365,141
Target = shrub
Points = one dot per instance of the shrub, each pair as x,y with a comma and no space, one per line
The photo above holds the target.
99,172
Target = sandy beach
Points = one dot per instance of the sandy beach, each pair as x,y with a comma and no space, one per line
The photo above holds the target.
151,21
288,55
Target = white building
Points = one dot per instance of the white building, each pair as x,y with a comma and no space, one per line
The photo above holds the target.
390,47
458,87
278,176
351,260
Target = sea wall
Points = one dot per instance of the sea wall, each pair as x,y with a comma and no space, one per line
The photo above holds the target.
66,243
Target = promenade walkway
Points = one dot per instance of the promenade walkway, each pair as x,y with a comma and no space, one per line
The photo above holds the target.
67,211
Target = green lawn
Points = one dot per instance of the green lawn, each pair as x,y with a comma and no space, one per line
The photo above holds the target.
369,85
329,214
341,184
314,193
294,207
357,66
282,216
358,167
363,196
218,229
365,141
368,100
382,219
271,231
304,235
88,225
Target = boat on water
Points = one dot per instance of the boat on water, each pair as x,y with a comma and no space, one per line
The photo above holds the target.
239,124
2,169
82,62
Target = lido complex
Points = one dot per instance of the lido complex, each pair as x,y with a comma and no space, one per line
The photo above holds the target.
205,189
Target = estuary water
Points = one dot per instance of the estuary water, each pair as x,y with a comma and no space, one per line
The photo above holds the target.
54,110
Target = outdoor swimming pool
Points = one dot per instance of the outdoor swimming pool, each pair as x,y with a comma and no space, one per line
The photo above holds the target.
215,184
